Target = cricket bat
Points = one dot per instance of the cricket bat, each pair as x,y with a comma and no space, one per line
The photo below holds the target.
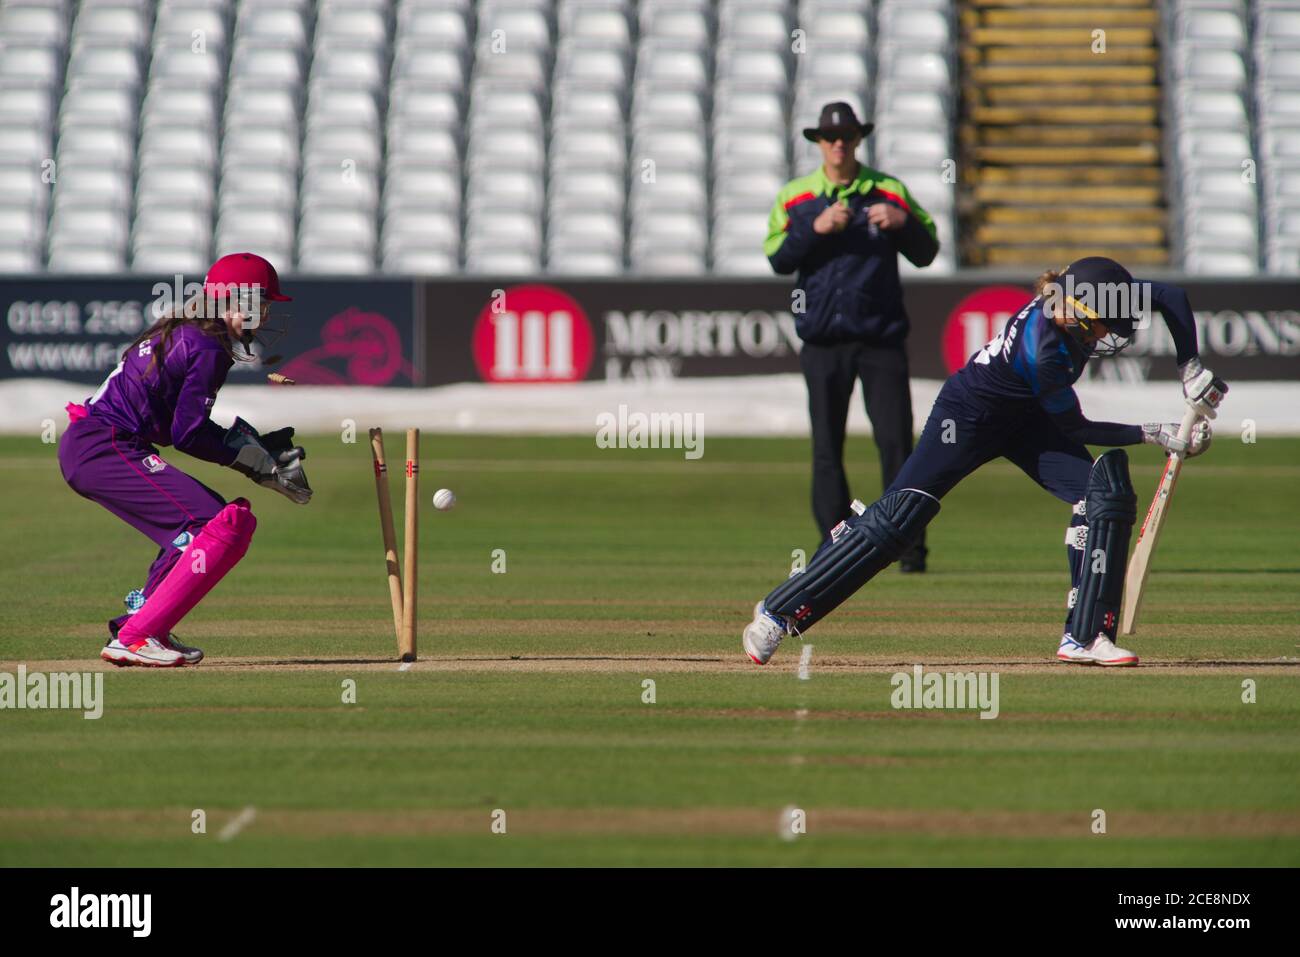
1140,564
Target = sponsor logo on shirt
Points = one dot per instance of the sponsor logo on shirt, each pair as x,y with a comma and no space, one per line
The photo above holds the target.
181,541
153,463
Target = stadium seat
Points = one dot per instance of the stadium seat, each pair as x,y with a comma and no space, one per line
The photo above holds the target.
284,23
169,258
18,259
43,24
586,263
426,185
94,258
36,64
419,261
21,223
606,26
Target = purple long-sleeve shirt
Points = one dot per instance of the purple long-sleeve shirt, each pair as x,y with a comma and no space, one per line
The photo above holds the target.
168,402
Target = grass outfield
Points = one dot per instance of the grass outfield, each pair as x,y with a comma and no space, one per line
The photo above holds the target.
623,566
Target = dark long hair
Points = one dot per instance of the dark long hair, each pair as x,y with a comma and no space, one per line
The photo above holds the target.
191,313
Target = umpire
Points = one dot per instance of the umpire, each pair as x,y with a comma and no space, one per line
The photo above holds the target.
841,229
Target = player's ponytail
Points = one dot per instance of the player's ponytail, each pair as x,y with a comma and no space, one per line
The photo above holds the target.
1045,281
1047,278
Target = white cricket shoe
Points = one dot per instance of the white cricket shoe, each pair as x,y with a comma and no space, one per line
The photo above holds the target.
763,635
1100,651
152,654
191,654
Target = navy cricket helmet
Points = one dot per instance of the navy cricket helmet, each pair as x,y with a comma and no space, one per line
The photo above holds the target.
1099,301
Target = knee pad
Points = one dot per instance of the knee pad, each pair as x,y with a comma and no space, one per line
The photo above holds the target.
858,549
1111,511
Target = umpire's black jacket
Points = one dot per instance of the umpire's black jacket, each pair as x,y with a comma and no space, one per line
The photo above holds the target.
850,278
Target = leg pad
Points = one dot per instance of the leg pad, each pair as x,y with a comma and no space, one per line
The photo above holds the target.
215,550
1111,512
859,548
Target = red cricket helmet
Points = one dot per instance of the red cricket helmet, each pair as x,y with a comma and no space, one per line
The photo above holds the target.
244,269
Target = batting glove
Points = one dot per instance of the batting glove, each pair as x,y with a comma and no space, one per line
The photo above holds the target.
1202,388
1164,434
1200,439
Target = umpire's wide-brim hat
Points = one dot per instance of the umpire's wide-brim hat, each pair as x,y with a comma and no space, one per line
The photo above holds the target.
836,116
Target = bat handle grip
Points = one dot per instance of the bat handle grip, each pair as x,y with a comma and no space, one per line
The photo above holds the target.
1190,418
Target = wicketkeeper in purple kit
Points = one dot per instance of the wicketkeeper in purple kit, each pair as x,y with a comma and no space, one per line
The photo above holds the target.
160,394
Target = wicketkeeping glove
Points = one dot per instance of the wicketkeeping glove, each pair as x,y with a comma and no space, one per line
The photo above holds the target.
279,469
281,440
290,478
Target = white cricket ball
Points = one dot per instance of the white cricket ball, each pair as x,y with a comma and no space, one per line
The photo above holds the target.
444,499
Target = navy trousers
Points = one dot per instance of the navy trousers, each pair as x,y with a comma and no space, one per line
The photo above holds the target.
957,439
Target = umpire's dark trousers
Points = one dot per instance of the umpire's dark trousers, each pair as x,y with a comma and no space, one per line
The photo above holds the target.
830,371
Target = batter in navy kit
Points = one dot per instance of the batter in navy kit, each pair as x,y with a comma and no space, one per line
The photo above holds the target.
1015,399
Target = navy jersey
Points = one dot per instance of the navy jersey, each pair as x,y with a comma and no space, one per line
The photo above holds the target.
1030,361
1033,362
